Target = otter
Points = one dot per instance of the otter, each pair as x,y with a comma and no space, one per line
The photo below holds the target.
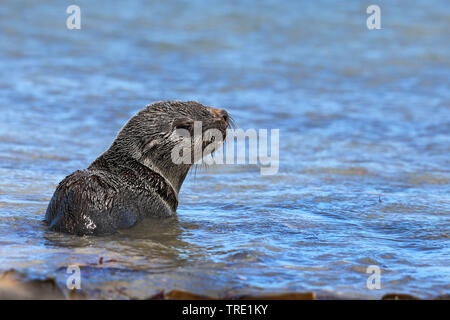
136,176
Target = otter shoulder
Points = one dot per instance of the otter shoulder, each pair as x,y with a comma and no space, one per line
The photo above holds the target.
79,201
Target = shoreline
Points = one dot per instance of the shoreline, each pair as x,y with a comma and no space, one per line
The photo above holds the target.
14,285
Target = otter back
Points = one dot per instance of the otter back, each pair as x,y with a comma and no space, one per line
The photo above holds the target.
94,201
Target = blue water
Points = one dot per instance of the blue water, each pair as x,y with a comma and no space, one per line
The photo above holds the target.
364,120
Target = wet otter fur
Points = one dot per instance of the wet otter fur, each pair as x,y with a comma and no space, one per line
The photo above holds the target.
136,177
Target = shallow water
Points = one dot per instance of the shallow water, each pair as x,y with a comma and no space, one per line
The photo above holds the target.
364,118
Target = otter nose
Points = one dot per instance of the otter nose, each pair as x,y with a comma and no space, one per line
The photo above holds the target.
224,115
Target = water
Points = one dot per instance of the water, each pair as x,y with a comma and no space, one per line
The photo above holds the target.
364,175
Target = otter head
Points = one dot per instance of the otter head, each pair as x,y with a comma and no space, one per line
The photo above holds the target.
169,137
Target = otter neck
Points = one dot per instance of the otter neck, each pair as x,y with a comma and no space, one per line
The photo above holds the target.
164,166
173,173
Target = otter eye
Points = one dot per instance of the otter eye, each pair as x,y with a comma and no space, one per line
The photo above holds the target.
187,125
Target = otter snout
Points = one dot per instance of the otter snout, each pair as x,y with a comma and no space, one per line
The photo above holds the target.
220,115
